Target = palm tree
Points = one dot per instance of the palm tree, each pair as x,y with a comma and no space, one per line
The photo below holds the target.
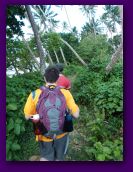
89,28
37,39
75,32
119,51
89,11
65,42
44,16
111,17
67,16
65,26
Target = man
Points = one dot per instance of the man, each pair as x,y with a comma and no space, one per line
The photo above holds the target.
51,148
63,80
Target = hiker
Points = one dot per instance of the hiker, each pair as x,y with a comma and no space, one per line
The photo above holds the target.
62,80
48,105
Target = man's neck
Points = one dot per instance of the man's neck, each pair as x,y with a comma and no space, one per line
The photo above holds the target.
48,83
60,74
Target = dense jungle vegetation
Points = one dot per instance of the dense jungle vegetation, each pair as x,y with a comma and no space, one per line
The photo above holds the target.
96,88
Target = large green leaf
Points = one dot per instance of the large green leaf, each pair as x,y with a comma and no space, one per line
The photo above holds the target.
12,106
18,121
9,156
106,150
17,129
22,128
10,124
8,146
101,157
15,147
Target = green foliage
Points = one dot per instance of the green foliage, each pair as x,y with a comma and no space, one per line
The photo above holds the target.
72,69
107,151
29,146
90,28
114,42
109,96
18,56
94,47
74,42
18,89
99,128
98,134
51,41
111,16
95,88
13,23
105,139
95,138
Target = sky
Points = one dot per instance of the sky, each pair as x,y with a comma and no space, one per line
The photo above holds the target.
75,15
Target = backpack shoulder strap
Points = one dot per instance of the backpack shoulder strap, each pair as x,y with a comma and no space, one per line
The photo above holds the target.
33,93
42,88
58,89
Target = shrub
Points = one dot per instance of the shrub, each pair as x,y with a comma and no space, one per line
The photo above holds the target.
17,90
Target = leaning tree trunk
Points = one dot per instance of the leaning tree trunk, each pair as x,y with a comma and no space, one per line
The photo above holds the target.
114,58
119,51
63,56
14,65
67,17
32,55
50,59
70,47
56,56
78,57
37,39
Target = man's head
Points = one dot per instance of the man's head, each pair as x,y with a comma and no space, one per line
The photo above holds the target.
51,74
60,67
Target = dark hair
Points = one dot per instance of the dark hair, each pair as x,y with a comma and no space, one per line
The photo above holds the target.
60,67
51,74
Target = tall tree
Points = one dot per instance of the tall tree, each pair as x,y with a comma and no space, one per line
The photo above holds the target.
76,54
67,17
67,44
44,17
119,50
89,11
88,28
37,38
111,17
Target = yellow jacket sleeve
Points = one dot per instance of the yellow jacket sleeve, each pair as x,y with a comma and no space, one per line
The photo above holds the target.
30,108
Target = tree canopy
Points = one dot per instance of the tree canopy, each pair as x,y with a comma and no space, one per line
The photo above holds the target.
15,16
